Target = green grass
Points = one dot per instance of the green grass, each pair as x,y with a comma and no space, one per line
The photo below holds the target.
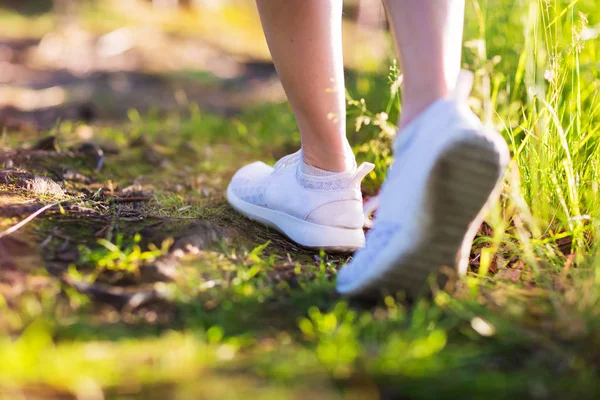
249,317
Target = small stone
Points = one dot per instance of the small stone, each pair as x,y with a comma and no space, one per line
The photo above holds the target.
94,152
134,188
153,156
187,148
48,143
139,141
69,174
110,148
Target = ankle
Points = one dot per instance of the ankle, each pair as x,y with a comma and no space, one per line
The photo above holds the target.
411,110
417,97
329,161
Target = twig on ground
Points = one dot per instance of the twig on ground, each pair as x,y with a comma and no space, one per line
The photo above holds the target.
46,241
129,199
18,226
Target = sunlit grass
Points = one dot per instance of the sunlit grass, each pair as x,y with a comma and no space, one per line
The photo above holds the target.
524,324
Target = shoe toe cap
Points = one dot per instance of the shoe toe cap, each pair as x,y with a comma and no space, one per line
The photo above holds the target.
256,170
249,183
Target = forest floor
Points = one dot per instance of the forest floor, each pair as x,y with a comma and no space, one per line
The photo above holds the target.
137,280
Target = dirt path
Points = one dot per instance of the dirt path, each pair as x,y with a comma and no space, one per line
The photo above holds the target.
109,180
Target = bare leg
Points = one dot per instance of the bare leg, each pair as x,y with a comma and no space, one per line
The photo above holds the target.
304,37
448,176
428,35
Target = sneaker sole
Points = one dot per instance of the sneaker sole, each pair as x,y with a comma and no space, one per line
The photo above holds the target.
305,233
463,184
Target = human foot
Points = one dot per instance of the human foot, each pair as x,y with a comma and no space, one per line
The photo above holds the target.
446,175
321,211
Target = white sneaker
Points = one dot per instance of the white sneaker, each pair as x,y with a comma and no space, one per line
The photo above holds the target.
321,212
446,173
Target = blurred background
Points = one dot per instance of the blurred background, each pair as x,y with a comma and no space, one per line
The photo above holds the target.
96,59
129,118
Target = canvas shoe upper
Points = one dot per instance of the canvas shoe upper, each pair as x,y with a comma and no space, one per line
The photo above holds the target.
446,171
314,211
